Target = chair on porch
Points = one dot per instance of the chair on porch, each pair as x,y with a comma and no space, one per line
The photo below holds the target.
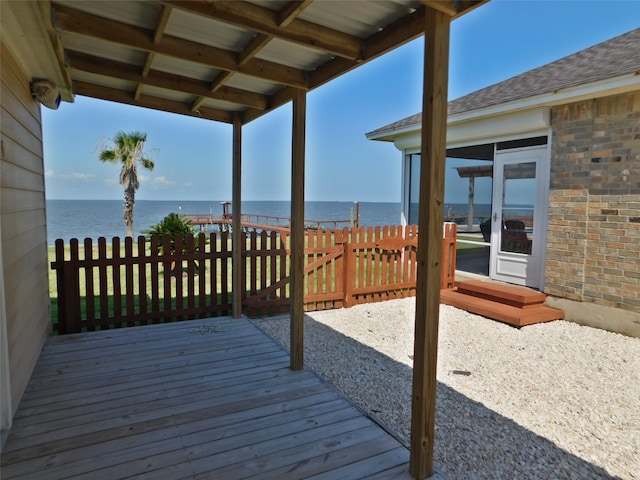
514,237
485,228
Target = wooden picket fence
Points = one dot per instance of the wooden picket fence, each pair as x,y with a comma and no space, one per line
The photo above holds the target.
152,280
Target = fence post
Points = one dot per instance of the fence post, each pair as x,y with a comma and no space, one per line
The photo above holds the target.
448,271
349,279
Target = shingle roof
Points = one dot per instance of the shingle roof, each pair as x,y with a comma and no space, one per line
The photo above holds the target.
609,59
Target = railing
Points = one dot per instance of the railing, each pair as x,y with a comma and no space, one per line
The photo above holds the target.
116,285
258,220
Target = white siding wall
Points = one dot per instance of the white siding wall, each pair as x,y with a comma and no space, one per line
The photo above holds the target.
23,241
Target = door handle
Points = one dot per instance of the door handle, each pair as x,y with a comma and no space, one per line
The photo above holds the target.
495,217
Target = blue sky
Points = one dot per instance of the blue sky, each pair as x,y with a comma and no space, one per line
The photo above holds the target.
193,156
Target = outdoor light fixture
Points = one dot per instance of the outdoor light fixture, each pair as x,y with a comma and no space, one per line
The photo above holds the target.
46,93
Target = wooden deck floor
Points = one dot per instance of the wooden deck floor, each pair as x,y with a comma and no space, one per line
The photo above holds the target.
204,399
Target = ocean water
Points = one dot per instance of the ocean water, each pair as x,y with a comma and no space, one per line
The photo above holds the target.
81,219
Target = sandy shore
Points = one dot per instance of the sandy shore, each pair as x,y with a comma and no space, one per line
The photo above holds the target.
548,401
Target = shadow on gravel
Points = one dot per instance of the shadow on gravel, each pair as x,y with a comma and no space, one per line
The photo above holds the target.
472,441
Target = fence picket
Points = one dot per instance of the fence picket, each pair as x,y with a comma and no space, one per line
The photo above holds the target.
129,282
155,278
142,276
224,243
72,305
58,265
102,278
202,272
273,271
117,285
191,293
89,299
166,273
177,273
213,270
343,268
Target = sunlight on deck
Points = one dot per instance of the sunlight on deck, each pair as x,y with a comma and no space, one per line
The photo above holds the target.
199,399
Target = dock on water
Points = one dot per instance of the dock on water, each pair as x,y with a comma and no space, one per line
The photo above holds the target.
252,221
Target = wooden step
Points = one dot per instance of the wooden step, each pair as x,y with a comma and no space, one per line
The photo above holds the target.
515,316
516,296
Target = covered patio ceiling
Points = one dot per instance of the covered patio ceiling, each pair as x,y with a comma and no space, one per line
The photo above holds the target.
217,59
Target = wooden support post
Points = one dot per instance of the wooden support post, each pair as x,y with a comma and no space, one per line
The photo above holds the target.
297,229
429,255
237,267
472,184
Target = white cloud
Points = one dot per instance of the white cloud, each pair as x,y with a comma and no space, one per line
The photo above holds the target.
162,182
79,176
86,177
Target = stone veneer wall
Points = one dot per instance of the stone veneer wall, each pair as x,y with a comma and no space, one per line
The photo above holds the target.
593,249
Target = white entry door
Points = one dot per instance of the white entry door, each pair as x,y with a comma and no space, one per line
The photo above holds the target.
519,216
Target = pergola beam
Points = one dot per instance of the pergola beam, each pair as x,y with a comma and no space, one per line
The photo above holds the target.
429,254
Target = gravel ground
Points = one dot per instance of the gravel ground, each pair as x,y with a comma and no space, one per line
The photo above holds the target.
548,401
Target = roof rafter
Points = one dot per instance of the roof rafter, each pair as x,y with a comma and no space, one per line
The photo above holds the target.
290,11
139,38
161,25
266,21
115,95
285,16
214,86
124,71
453,8
402,31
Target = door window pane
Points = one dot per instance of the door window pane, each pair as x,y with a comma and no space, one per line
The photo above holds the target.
414,188
518,201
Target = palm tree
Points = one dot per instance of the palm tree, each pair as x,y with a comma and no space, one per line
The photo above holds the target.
127,149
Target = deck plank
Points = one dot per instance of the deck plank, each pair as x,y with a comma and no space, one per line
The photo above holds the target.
209,398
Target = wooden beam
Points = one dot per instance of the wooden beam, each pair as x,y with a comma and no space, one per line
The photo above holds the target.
430,218
264,20
282,96
114,95
398,33
253,47
161,23
454,8
291,10
403,30
443,6
147,64
297,230
137,38
237,269
215,85
124,71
